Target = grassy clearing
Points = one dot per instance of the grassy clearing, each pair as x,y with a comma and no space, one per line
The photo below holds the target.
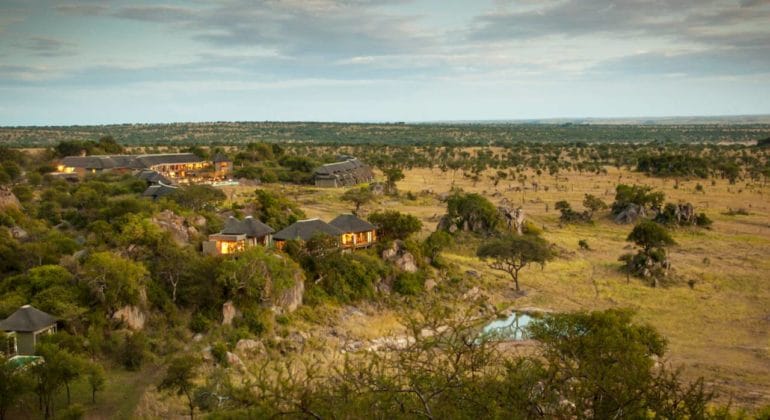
121,394
719,329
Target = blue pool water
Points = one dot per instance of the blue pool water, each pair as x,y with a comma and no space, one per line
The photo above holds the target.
513,328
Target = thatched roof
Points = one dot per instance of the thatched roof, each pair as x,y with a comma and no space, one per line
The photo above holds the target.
27,319
249,226
351,223
306,229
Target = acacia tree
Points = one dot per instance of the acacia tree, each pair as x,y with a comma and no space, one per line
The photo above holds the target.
392,175
179,379
593,204
358,196
511,253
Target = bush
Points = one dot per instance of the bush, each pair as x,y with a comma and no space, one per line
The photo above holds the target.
409,283
73,412
219,353
134,350
474,209
259,321
530,228
349,277
392,224
703,221
640,195
199,323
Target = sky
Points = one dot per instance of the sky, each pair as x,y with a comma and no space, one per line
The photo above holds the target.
110,61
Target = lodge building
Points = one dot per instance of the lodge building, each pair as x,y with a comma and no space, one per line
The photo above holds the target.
349,231
346,173
172,167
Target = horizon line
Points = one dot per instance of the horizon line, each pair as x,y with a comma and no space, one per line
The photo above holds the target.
648,120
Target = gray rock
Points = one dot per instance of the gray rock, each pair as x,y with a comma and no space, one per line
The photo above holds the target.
235,361
8,199
430,284
248,346
400,257
19,233
132,316
229,312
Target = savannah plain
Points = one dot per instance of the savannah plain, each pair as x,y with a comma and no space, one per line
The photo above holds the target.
715,315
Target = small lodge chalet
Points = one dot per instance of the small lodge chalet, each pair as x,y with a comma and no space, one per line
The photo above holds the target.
237,235
350,232
169,167
349,172
22,330
304,230
358,233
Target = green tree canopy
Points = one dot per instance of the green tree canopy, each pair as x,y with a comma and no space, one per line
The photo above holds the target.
276,210
115,281
511,253
179,379
474,210
648,235
640,195
392,224
198,197
358,196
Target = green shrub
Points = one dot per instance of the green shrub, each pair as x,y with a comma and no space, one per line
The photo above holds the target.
349,277
703,221
199,323
219,353
260,321
530,228
134,350
409,283
73,412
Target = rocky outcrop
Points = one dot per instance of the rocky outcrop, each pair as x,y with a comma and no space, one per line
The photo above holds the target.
250,347
18,233
131,316
8,199
430,284
180,230
514,218
229,313
235,361
630,214
290,299
397,255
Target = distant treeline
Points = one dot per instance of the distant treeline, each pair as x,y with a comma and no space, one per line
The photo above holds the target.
235,133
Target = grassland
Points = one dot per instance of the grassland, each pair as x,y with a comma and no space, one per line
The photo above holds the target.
719,328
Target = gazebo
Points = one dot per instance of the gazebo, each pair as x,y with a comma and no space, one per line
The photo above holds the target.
23,328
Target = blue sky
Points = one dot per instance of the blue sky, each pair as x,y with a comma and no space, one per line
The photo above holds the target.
98,62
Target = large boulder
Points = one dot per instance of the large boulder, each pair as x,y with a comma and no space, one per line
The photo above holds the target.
18,233
250,347
229,313
397,255
8,199
288,300
176,225
514,218
131,316
630,214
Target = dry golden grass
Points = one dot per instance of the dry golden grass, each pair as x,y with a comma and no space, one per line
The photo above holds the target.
719,329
